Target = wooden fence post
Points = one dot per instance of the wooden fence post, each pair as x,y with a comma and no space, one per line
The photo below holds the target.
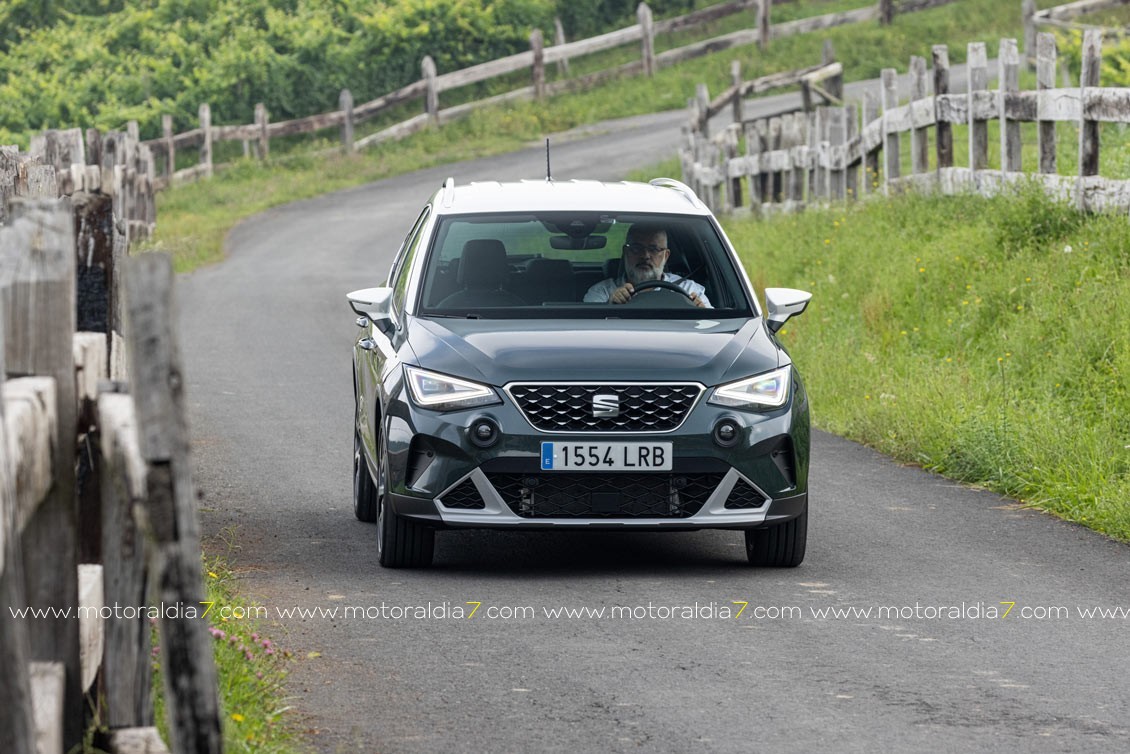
647,38
1028,12
170,146
431,95
919,141
977,65
886,12
871,113
944,147
851,175
890,132
763,29
127,661
345,102
262,121
37,285
702,102
93,146
1088,129
1045,79
837,137
798,170
1009,83
537,46
736,82
15,652
559,39
206,147
157,382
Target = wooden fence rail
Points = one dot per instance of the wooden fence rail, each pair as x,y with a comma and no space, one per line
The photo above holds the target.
96,505
534,60
825,155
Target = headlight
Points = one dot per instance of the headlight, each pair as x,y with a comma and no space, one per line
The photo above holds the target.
769,390
443,393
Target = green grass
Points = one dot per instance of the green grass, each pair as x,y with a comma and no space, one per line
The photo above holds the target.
252,672
994,351
193,220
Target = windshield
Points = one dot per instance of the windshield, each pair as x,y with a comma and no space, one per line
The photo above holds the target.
567,265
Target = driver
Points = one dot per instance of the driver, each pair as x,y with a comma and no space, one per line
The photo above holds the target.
645,256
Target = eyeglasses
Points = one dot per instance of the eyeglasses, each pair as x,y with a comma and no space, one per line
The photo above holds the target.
639,249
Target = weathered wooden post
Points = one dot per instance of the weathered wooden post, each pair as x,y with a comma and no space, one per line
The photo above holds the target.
157,381
1088,128
93,146
127,662
1009,84
777,179
262,123
886,12
15,651
1045,79
431,94
170,146
890,128
851,166
837,137
345,102
944,147
558,40
763,29
206,146
37,285
647,38
1028,13
537,46
798,168
977,65
736,83
919,141
702,103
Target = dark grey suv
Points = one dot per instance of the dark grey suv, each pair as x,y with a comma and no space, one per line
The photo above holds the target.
576,354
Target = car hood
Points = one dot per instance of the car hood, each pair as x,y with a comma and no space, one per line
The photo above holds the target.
501,351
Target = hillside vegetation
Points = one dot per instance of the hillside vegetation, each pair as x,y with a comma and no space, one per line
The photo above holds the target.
102,63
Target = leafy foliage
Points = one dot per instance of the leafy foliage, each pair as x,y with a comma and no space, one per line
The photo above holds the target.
1115,69
101,65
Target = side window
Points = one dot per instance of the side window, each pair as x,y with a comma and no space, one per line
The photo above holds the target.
406,244
411,246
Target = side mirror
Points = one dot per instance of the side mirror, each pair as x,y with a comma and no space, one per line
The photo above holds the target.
783,303
373,303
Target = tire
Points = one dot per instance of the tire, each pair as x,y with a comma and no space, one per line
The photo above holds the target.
364,491
401,542
779,546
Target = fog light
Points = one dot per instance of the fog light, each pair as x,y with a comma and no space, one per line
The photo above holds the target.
727,433
484,433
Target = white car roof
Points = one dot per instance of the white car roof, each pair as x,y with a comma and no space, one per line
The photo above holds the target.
664,196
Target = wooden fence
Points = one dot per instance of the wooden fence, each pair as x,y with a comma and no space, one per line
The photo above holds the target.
257,136
97,512
828,155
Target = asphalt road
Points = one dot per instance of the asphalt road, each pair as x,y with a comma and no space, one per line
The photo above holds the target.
266,339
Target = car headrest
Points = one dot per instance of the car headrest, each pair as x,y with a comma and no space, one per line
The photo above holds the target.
540,269
483,264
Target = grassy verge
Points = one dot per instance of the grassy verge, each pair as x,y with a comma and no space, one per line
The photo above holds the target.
994,351
193,220
252,672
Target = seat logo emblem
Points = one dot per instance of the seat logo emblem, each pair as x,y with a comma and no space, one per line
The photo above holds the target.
605,405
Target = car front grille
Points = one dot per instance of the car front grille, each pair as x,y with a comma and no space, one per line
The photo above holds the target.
570,407
562,495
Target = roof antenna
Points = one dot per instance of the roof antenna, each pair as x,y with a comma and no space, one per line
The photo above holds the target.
548,174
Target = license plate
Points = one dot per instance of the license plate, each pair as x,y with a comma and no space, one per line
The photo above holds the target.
606,456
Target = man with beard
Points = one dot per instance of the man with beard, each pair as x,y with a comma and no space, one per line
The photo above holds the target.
645,257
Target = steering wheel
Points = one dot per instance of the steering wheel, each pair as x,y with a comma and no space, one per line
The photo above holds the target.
663,284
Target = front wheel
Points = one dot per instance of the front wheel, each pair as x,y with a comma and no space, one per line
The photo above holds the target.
779,546
401,542
364,491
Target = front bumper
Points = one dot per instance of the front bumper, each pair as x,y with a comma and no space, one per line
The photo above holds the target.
437,475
